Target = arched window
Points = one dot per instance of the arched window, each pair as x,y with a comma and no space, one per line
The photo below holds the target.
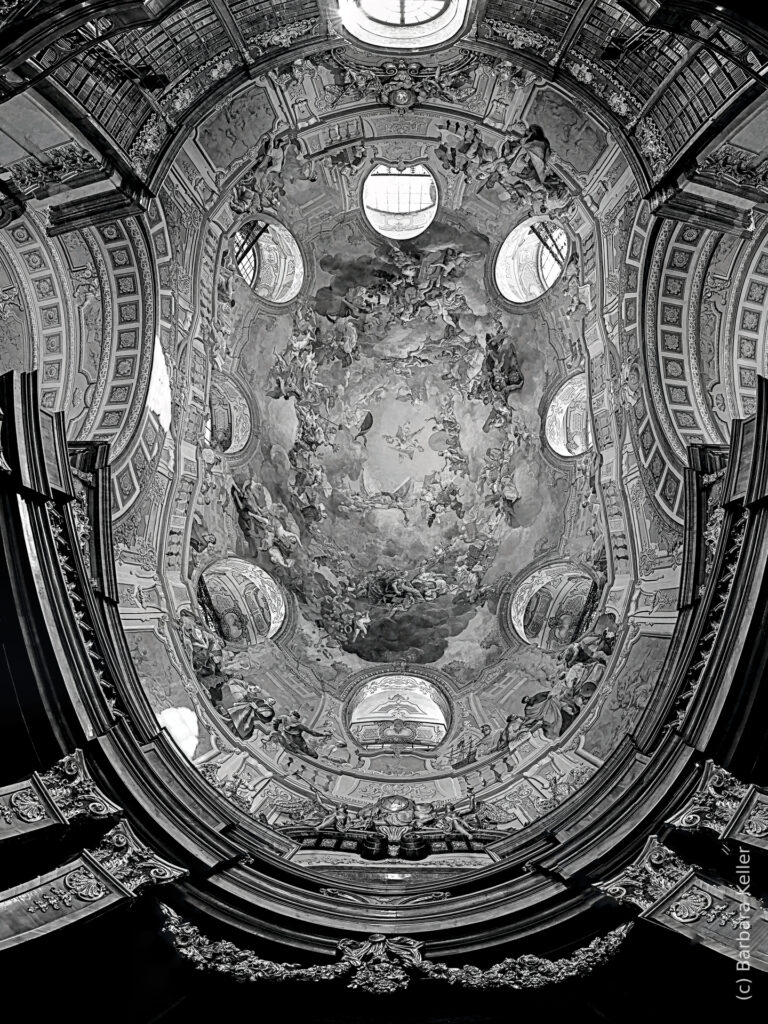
269,260
531,260
403,24
400,203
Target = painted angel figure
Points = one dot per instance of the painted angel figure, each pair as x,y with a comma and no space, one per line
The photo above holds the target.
404,441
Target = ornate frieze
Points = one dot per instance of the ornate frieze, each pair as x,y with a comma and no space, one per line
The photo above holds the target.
519,38
73,585
402,85
382,964
282,37
726,920
695,904
38,177
716,612
653,146
731,165
55,900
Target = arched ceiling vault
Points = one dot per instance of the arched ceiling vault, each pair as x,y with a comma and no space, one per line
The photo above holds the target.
406,360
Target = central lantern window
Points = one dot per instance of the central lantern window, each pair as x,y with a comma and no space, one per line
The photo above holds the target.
403,24
402,12
400,203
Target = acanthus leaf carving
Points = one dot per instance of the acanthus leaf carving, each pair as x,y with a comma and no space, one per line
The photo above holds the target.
715,802
656,871
131,863
73,791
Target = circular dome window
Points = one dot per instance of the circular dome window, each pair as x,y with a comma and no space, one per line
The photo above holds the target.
269,260
567,427
400,203
530,260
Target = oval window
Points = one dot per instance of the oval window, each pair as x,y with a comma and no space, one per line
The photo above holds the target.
269,260
554,606
400,203
567,427
530,260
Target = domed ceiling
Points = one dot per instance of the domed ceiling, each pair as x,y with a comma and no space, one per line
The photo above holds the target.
444,563
398,511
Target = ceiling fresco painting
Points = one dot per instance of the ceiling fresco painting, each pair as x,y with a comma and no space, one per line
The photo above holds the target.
400,375
383,495
399,492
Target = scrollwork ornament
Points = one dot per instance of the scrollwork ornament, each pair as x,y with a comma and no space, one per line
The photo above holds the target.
653,874
73,791
374,900
131,863
715,802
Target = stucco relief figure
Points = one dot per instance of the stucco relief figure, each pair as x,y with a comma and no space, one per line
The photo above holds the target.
262,188
522,171
463,150
356,83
